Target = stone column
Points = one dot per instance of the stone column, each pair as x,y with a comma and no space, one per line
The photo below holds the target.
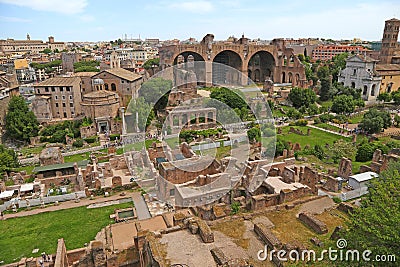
208,73
122,110
197,118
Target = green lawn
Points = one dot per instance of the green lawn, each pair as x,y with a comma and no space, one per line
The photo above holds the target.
77,226
77,157
28,169
356,165
329,127
356,119
316,137
31,150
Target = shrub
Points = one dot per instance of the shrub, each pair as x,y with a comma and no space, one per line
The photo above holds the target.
91,139
317,120
301,122
336,200
326,117
78,142
114,136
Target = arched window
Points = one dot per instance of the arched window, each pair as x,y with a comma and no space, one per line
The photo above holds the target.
365,90
353,85
113,87
106,86
373,90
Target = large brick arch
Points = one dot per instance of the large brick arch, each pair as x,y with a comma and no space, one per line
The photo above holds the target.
185,54
284,60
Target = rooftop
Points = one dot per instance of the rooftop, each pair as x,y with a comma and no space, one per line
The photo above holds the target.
59,81
365,176
65,165
84,74
124,74
277,184
387,67
101,93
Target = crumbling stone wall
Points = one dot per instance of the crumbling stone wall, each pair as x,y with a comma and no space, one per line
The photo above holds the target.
318,226
267,236
345,168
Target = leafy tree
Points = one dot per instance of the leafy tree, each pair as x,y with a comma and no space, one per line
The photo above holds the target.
374,120
375,225
365,152
155,92
254,134
119,41
319,152
312,109
302,97
56,50
294,113
230,97
86,69
280,146
47,51
343,104
340,149
323,72
151,62
338,64
143,110
86,64
397,120
21,123
384,97
8,159
396,97
326,88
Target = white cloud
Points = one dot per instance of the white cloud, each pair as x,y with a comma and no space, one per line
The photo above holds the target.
193,6
13,19
59,6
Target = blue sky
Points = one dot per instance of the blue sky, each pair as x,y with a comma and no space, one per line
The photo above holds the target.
91,20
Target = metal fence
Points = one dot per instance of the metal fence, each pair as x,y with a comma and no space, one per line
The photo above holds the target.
41,200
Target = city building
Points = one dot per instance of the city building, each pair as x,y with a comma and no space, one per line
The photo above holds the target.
390,51
360,73
11,46
8,88
103,108
390,77
57,99
86,80
124,82
25,73
327,52
68,60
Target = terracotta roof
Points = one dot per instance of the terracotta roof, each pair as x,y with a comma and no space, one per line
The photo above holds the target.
84,74
364,58
124,74
59,81
100,93
388,67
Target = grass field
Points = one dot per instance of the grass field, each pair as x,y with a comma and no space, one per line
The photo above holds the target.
316,137
356,119
19,236
329,127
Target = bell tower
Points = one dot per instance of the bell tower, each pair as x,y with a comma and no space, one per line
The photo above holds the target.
389,40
